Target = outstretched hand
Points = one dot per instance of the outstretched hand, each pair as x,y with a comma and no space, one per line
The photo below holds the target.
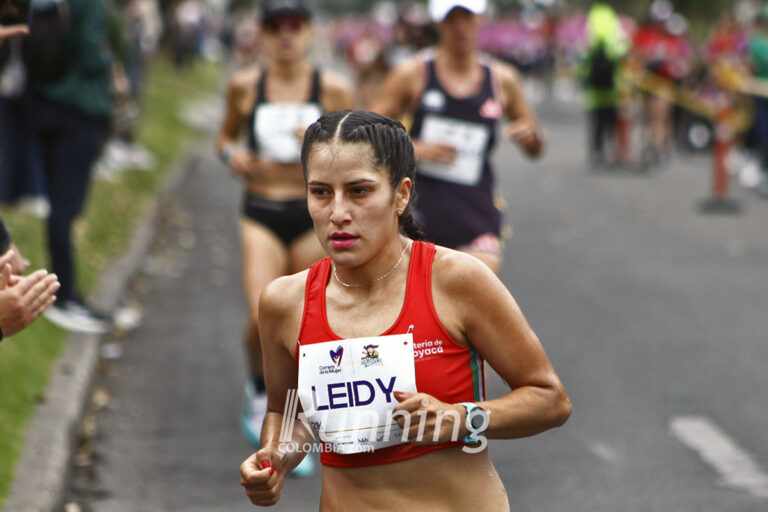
23,298
13,31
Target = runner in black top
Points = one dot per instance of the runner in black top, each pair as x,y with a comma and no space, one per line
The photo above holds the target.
456,203
272,106
456,96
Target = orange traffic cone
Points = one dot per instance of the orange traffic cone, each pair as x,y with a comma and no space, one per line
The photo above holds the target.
724,137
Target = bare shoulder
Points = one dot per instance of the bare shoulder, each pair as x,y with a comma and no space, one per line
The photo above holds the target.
241,91
283,298
244,79
463,290
410,70
458,274
338,93
506,73
335,83
401,86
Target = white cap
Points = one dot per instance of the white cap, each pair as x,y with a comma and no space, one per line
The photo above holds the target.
439,9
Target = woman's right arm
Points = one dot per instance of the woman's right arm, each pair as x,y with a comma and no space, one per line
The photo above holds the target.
241,161
280,309
399,90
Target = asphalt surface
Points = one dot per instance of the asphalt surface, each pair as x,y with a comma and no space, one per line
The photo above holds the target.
649,311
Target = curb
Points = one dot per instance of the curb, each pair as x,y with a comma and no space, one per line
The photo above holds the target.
41,476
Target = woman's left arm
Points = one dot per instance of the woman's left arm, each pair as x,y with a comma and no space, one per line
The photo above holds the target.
490,320
523,127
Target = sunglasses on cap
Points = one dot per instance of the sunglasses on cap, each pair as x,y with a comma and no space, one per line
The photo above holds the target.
289,21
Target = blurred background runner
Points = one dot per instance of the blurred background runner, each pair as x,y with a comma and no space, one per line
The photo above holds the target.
271,105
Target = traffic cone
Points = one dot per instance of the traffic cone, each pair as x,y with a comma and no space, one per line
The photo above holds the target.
724,138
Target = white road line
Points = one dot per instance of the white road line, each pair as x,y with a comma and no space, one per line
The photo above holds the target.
734,465
604,452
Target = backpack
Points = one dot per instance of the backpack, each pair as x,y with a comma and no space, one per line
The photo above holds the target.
45,49
602,69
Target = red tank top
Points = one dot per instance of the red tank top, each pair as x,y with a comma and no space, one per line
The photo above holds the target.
444,369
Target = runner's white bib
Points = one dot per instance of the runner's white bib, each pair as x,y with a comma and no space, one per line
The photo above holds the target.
346,388
275,129
469,140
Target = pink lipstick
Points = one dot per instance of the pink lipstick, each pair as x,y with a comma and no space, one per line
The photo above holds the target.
340,240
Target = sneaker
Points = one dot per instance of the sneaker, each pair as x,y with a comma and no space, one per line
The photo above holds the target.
252,415
306,467
762,189
77,317
37,206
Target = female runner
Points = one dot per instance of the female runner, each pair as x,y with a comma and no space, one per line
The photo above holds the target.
273,104
380,282
456,97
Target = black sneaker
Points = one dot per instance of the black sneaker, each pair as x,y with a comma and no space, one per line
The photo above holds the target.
75,316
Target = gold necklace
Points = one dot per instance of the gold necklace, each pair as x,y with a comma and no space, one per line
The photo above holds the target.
389,273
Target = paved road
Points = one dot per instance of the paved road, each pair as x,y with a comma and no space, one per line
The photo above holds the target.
652,315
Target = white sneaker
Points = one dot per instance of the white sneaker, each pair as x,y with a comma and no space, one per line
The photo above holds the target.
253,413
77,317
37,206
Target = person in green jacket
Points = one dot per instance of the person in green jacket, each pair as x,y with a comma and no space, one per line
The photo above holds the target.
599,72
69,117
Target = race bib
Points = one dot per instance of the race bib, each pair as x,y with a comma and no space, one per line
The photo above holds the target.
469,140
347,387
276,126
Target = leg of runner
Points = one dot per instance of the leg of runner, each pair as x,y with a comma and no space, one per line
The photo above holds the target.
660,112
264,259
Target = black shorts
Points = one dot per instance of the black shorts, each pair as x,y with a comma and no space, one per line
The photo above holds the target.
455,215
286,219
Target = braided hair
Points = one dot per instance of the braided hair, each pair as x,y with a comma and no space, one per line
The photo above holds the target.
391,145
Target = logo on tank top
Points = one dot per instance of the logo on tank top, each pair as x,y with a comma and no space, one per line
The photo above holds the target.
491,109
433,99
334,368
371,356
336,355
427,349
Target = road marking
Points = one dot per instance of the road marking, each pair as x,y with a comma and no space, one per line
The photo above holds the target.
604,452
734,465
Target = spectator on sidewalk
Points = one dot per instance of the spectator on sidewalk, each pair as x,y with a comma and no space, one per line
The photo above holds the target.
600,73
68,114
758,49
661,47
21,182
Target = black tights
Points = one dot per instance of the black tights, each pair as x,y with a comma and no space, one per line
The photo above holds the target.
70,143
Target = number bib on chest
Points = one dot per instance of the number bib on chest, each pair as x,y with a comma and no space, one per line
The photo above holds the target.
469,140
347,389
276,129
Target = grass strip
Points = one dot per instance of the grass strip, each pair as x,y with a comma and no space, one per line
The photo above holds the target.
102,234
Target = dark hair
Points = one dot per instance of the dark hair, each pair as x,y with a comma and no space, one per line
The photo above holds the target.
391,145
